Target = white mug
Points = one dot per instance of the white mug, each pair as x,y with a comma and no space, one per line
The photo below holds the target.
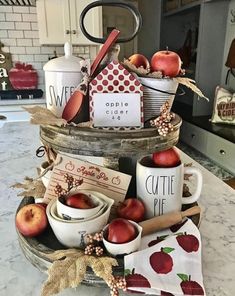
161,189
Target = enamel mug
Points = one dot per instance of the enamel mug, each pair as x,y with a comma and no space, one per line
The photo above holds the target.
161,189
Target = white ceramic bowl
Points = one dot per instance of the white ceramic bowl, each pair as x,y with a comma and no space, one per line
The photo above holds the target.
45,178
72,234
67,213
125,248
55,215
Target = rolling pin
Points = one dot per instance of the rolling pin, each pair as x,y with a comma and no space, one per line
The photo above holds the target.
167,220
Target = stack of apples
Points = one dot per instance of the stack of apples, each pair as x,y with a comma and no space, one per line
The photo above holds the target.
165,61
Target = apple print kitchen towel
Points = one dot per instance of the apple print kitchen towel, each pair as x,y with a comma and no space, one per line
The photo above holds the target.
168,263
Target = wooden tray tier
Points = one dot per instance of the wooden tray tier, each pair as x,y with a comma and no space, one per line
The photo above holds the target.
110,144
36,249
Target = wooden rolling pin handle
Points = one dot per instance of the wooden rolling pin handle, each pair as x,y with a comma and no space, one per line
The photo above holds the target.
166,220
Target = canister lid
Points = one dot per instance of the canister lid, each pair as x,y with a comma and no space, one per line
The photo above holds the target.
66,63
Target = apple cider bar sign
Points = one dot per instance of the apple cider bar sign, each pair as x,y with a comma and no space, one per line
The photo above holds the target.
97,178
117,109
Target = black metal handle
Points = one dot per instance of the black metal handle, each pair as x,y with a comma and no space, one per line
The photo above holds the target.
134,11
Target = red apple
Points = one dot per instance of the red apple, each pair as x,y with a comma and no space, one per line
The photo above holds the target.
135,280
79,201
42,204
121,231
31,220
190,287
188,242
167,158
161,262
168,62
139,60
131,209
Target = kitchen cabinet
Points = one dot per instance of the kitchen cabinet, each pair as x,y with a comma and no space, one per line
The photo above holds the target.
58,21
207,22
220,150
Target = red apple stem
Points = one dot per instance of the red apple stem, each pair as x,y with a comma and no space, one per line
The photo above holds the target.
167,49
189,277
133,271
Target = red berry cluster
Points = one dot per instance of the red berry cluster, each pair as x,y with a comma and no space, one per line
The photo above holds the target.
163,121
93,244
71,183
115,283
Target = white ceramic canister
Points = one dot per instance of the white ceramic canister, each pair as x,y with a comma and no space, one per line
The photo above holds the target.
62,76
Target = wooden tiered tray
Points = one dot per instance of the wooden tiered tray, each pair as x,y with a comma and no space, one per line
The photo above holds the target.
112,145
36,249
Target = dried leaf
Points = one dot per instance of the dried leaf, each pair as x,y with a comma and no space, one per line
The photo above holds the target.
69,272
102,266
43,116
132,68
190,83
31,187
62,274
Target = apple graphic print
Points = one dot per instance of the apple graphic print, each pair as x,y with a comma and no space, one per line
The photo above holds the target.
157,240
161,262
188,242
163,293
136,280
176,227
189,287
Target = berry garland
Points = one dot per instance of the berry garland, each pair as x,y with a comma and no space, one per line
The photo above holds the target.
163,121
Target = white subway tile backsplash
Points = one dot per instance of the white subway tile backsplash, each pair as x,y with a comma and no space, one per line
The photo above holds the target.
21,9
37,65
27,17
14,17
7,25
34,26
32,10
31,34
20,36
48,49
36,42
41,58
8,41
3,34
26,58
24,42
5,8
22,26
17,49
33,50
15,34
15,58
2,16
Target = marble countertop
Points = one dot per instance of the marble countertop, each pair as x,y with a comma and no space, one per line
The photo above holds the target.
18,143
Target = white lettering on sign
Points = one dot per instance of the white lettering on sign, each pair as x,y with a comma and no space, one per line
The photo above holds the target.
3,73
117,109
2,58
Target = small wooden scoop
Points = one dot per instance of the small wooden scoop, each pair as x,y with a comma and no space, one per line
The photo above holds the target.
167,220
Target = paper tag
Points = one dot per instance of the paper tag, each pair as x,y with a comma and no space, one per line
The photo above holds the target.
117,109
97,178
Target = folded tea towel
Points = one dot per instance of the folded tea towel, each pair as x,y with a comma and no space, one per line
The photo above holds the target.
168,263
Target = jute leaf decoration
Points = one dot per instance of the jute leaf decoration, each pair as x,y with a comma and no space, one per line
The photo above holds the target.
190,83
43,116
69,269
31,187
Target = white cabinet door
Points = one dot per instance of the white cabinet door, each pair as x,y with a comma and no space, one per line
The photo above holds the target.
58,21
92,21
53,21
